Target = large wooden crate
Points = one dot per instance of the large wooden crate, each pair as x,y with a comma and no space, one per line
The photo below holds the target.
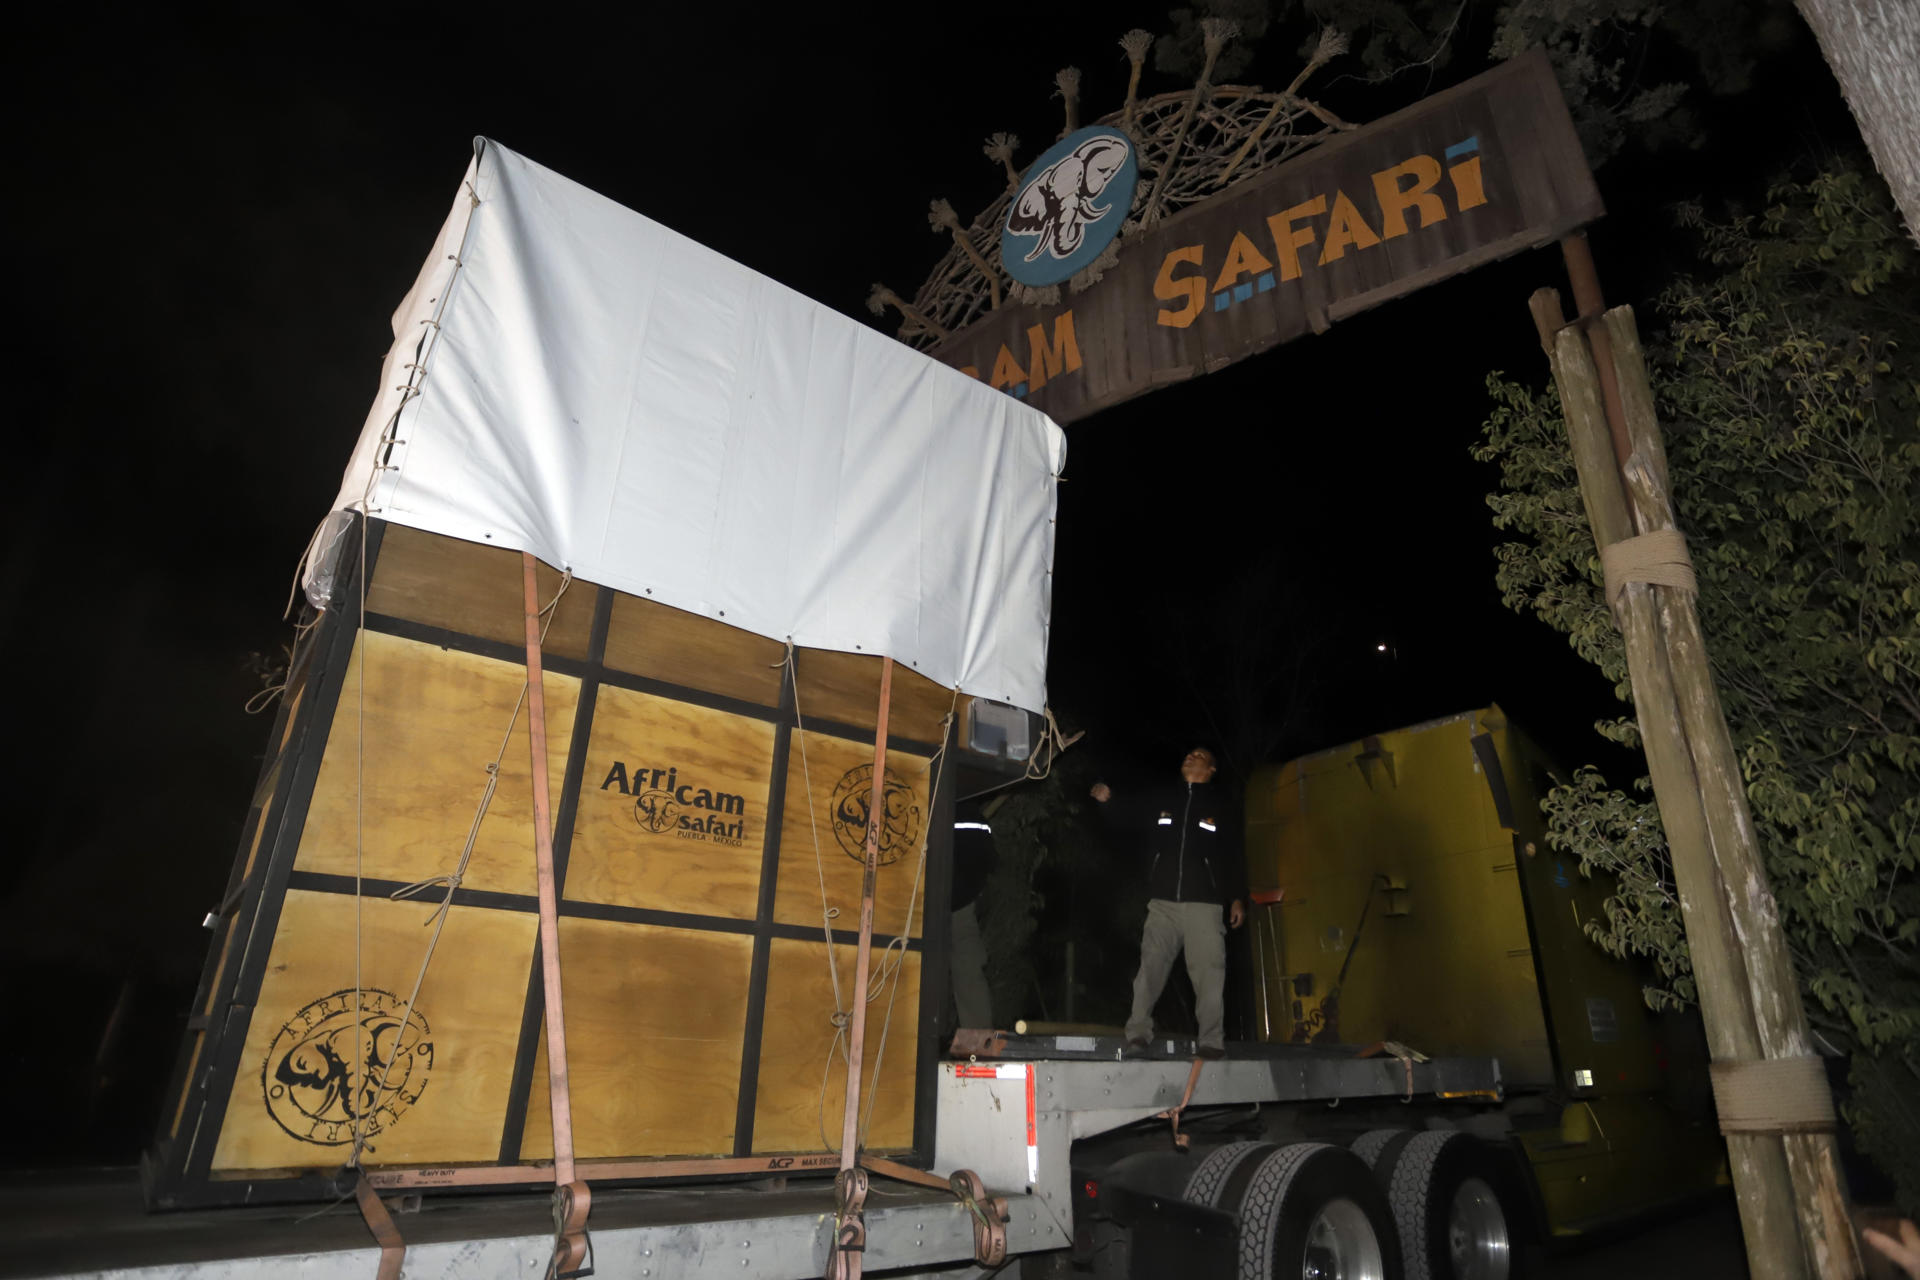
708,798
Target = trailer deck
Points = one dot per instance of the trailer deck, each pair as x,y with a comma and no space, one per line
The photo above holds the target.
1011,1111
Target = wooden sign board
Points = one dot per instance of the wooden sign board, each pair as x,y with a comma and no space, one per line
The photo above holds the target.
1465,177
707,840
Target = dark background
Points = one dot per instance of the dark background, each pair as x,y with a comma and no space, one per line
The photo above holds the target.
214,217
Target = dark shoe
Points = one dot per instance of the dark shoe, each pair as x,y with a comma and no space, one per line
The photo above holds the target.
1211,1052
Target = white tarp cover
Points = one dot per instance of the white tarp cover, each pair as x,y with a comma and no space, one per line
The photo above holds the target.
570,378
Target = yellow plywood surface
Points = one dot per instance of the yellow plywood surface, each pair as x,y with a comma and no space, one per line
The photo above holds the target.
473,589
656,1019
827,838
295,1100
433,719
662,643
673,807
789,1111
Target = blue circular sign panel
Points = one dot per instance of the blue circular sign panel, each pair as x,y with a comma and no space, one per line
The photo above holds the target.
1070,206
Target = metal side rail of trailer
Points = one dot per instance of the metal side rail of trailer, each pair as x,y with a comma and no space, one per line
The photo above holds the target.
1011,1119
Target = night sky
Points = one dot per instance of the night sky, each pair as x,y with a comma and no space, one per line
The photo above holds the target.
215,218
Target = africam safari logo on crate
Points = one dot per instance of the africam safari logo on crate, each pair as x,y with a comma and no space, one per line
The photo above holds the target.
899,826
665,805
326,1078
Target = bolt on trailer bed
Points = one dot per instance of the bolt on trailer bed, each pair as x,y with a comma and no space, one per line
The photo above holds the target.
1025,1113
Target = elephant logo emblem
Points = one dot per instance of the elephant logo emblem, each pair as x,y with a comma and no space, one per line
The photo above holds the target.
656,811
1070,207
343,1066
899,825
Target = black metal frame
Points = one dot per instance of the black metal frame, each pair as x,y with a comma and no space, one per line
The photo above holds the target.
179,1173
179,1176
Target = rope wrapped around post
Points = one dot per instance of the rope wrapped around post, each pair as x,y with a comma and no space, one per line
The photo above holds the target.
1659,557
1773,1095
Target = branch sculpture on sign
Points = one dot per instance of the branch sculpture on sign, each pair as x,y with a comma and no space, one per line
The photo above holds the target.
1190,144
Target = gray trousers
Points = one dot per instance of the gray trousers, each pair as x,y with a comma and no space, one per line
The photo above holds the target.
967,965
1199,929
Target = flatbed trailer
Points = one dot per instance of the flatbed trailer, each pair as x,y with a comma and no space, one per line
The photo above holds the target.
1051,1123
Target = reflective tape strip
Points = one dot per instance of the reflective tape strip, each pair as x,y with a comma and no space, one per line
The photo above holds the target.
1206,824
1166,820
972,826
1033,1137
1012,1071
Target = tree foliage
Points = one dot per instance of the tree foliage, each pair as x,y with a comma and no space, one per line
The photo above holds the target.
1788,378
1629,68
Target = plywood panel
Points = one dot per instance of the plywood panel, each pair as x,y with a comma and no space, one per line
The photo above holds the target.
656,1019
295,1100
662,643
434,720
845,688
826,839
473,589
791,1110
673,807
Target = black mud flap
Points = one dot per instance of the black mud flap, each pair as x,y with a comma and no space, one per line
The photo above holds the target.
1174,1238
1131,1232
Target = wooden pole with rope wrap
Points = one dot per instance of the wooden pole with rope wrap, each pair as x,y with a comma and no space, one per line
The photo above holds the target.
571,1199
850,1229
1786,1176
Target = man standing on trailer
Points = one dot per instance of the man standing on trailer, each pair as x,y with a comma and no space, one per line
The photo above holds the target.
1190,839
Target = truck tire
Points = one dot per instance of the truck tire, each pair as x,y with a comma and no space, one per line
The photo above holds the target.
1214,1184
1370,1144
1453,1205
1313,1210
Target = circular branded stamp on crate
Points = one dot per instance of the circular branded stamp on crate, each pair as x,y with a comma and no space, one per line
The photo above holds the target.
656,811
899,826
324,1076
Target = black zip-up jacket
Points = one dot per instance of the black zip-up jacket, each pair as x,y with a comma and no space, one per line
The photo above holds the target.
1190,836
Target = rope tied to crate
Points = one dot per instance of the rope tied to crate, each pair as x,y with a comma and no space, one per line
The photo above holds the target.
892,960
893,956
451,880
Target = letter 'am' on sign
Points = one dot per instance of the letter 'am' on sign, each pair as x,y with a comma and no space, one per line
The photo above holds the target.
1006,371
1192,287
1050,360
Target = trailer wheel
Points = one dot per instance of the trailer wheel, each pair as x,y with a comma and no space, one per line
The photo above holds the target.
1370,1144
1454,1221
1313,1212
1214,1183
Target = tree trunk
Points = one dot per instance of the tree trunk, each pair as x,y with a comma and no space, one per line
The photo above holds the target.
1873,47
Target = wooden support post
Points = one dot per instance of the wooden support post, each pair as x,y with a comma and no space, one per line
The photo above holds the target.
1588,303
1761,1183
1780,1019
